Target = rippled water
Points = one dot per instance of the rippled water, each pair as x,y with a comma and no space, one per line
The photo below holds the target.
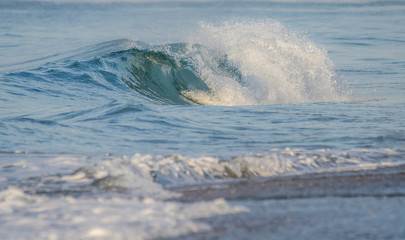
108,104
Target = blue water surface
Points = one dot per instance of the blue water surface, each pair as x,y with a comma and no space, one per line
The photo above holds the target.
64,88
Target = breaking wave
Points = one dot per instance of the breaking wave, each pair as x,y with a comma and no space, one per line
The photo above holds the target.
236,63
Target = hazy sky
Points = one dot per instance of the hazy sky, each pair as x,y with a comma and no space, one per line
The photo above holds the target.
318,1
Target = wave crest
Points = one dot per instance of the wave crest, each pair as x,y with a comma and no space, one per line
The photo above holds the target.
237,63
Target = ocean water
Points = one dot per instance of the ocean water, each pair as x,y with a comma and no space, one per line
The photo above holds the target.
105,107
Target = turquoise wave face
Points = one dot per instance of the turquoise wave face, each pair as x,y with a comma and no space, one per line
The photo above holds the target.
159,77
170,75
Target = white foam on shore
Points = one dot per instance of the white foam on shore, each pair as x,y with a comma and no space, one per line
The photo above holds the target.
67,217
64,197
178,170
147,176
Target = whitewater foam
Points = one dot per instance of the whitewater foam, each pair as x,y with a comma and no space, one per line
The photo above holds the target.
276,65
149,176
67,217
141,173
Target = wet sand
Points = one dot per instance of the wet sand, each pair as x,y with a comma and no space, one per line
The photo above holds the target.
367,204
380,182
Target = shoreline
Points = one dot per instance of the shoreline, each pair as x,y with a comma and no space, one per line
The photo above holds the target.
380,182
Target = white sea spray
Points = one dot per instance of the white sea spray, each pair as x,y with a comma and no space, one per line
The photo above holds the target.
277,66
